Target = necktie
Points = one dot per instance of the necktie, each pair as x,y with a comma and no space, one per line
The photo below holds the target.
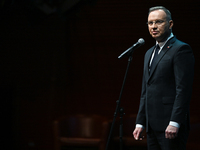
155,55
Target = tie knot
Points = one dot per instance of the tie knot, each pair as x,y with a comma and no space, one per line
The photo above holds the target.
157,48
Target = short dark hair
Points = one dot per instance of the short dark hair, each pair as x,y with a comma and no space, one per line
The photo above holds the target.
169,16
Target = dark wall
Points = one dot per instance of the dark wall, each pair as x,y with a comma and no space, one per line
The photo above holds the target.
58,64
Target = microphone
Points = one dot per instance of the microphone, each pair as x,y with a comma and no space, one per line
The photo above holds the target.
129,51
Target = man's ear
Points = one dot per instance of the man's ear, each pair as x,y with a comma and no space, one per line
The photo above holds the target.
171,23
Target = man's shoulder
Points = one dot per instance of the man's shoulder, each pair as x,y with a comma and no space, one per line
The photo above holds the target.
150,50
179,42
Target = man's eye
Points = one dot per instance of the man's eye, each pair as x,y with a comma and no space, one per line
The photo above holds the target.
150,23
159,21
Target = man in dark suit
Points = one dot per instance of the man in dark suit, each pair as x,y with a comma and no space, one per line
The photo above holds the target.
166,86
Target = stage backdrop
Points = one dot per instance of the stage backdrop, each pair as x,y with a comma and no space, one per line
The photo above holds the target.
65,62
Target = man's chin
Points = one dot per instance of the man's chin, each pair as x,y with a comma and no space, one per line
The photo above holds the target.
155,37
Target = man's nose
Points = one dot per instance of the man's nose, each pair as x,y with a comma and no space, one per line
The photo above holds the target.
154,28
154,25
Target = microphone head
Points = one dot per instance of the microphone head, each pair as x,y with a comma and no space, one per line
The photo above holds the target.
141,41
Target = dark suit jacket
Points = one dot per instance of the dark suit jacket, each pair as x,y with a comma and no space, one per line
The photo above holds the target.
167,90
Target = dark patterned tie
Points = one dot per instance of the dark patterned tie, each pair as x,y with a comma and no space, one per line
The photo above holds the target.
155,55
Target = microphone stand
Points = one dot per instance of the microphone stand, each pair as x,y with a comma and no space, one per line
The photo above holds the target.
120,110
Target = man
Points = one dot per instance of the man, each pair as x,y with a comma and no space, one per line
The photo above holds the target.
166,86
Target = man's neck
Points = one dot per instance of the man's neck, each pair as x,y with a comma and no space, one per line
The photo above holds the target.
165,38
161,44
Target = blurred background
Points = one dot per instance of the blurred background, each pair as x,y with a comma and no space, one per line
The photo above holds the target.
59,57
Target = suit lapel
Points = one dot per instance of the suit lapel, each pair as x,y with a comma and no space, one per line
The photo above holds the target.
167,46
147,60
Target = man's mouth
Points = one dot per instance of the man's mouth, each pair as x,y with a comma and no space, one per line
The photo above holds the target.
155,32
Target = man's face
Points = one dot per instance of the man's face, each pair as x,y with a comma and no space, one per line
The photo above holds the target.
159,26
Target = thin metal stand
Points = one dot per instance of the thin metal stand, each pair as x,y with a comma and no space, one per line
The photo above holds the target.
119,110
